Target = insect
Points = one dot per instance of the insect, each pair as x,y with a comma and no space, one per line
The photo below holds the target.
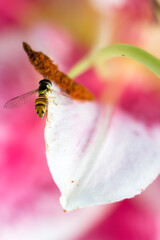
41,101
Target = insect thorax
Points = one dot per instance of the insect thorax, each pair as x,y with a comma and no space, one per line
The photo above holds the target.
44,86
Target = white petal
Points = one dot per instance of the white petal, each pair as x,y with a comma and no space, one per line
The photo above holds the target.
96,158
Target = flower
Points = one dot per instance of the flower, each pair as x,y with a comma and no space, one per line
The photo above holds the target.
29,197
100,154
22,208
89,147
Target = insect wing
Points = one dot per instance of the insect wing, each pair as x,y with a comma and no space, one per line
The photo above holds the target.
61,98
20,100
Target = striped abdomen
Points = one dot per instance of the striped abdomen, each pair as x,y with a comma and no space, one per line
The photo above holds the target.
41,105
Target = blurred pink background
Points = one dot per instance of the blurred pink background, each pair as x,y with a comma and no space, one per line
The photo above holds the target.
66,30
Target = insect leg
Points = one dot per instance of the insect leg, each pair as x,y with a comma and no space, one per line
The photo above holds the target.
54,100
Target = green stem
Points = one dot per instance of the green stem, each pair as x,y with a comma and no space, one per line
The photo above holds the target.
117,50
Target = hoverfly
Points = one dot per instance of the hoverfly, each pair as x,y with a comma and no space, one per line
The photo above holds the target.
41,101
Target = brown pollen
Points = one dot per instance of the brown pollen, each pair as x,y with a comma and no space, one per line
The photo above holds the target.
45,66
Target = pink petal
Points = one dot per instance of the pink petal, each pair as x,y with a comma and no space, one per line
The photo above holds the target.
128,221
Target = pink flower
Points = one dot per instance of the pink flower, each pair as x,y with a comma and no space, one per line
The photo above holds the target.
29,206
29,198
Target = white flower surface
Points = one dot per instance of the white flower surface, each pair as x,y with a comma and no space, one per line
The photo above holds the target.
97,155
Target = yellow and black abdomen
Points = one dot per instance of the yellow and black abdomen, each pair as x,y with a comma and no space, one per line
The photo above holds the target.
41,105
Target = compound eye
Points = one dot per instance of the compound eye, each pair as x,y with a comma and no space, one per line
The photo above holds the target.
48,82
45,81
